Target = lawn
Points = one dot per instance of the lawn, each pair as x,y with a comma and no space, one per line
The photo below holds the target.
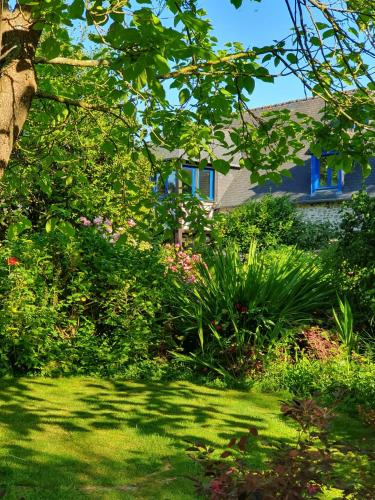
83,437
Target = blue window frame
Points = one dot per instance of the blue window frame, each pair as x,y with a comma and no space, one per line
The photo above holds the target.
323,177
201,183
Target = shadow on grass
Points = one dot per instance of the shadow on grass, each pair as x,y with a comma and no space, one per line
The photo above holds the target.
58,436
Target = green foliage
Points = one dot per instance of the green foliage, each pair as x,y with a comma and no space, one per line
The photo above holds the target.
352,260
272,221
350,381
344,322
312,464
138,49
79,305
234,305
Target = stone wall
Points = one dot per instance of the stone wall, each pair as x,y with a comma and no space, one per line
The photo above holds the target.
328,213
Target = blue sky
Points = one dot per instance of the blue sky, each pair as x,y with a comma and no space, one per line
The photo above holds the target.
256,24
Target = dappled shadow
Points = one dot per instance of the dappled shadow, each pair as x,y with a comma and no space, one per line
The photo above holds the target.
110,439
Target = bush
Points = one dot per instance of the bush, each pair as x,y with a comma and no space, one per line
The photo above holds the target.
314,463
337,378
79,304
234,306
352,260
272,221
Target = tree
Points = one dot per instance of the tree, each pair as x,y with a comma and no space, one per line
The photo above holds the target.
132,51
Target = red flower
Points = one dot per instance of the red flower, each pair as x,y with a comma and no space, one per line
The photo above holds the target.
313,489
240,308
12,261
216,486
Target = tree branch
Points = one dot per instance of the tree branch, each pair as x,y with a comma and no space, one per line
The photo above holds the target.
82,63
72,102
185,70
78,103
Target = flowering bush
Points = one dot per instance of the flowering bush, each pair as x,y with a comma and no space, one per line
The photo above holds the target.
80,305
236,308
182,263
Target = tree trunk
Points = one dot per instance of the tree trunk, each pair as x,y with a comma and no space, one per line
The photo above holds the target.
18,43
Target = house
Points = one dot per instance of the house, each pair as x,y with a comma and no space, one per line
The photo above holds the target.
317,191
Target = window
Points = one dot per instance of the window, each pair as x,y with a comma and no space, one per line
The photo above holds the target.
324,177
199,183
202,183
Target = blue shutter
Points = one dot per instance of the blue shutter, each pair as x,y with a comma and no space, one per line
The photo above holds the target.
212,185
339,181
315,174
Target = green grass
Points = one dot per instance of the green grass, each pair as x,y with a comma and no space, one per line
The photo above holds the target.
87,438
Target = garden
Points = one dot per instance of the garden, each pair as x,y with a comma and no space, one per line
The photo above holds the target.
148,350
134,367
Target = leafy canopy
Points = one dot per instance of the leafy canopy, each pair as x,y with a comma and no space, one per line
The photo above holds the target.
156,70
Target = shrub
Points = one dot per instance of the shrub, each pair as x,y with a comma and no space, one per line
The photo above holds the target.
272,221
352,381
234,306
314,464
79,305
352,260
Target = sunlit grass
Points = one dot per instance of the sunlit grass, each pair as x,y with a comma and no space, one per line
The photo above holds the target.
80,437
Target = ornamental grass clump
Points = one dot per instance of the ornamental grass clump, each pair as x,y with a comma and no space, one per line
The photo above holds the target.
240,305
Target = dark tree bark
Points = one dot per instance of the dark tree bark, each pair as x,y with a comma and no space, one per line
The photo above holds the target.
18,42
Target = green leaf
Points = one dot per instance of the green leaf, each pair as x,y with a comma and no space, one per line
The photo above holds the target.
77,9
129,109
183,96
292,58
66,228
51,225
161,63
221,166
14,230
236,3
328,34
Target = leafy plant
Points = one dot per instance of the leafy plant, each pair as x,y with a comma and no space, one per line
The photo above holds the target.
302,470
352,260
80,304
237,306
272,221
351,380
344,322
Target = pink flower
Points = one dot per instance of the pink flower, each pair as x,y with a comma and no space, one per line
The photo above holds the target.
170,259
177,245
131,223
173,269
191,279
196,258
85,221
98,220
115,237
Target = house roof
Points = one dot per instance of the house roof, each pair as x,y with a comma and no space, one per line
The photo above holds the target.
239,189
298,186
